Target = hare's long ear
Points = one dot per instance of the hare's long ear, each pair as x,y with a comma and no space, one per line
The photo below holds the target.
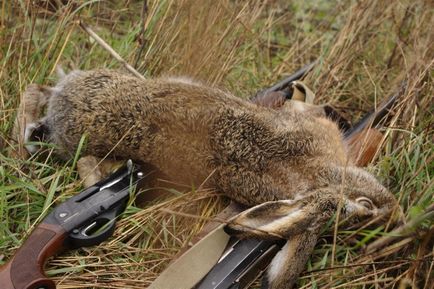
277,219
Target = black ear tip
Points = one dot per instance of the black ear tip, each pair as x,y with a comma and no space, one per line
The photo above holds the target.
230,230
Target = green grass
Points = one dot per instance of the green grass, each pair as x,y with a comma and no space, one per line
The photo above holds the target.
365,49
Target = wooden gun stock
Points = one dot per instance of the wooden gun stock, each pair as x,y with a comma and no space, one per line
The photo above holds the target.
25,269
363,145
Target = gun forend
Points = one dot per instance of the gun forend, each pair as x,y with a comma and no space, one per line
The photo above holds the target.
86,219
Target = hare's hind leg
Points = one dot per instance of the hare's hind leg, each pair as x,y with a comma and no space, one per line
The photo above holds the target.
92,170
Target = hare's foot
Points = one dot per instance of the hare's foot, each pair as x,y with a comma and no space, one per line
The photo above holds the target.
33,101
92,170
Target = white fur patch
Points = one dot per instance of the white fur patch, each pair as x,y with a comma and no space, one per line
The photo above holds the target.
277,263
350,207
28,132
183,79
298,105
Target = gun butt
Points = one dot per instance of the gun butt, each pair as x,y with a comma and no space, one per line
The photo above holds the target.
25,269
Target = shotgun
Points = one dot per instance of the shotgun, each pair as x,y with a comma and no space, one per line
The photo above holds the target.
85,219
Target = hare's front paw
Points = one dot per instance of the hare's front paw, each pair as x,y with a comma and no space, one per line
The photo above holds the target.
92,170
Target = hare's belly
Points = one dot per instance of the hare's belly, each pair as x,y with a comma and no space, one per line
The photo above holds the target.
186,174
183,160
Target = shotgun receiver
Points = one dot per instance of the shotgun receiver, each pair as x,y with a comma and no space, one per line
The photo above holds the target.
86,219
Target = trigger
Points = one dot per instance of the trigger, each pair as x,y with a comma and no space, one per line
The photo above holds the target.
95,231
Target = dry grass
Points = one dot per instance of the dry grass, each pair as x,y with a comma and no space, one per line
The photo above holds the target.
366,48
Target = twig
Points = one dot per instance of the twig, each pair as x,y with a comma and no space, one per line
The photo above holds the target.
355,265
402,231
110,50
142,38
401,26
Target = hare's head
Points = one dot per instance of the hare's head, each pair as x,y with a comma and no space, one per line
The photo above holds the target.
366,200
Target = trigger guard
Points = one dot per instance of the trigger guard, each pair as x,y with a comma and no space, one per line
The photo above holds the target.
43,283
77,238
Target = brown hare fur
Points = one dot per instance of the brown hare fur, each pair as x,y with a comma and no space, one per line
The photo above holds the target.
290,165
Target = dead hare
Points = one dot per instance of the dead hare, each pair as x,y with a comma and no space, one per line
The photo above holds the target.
289,165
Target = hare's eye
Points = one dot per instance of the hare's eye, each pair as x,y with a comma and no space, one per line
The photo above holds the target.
365,202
